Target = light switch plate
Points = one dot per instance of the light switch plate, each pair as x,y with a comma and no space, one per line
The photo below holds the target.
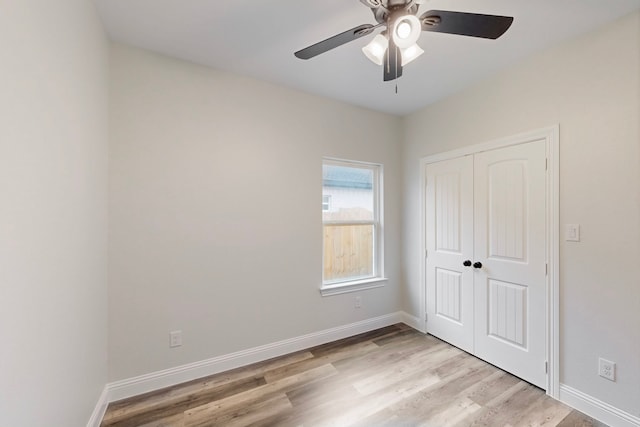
175,339
572,232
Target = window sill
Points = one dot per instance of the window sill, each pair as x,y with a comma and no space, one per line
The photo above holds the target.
357,285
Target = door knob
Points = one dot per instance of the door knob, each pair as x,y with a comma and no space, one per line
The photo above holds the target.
477,264
467,263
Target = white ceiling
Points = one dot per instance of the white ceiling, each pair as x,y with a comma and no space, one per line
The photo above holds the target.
257,38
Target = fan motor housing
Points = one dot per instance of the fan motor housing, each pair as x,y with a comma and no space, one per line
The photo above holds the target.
388,13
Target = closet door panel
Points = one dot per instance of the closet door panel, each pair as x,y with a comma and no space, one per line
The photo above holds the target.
449,242
509,242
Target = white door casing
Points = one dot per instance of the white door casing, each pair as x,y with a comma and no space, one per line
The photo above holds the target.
515,215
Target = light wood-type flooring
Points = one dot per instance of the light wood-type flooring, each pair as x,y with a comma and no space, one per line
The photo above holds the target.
393,376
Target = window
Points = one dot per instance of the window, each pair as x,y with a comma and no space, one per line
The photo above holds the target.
352,226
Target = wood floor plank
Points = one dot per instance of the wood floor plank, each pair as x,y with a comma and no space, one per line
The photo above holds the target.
367,406
266,391
333,390
176,420
242,415
393,377
456,411
399,337
410,408
435,399
543,413
367,336
507,408
321,413
493,388
413,365
385,356
157,411
349,351
577,419
215,387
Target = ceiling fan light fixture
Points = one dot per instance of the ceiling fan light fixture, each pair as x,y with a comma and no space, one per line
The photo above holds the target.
411,53
376,48
396,45
406,31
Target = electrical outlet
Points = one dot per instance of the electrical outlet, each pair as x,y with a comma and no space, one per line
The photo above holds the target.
358,303
572,232
607,369
175,339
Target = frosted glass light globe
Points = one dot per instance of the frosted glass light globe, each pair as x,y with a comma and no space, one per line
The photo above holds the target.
403,30
406,31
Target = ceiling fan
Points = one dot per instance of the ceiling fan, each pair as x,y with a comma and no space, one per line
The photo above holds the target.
396,46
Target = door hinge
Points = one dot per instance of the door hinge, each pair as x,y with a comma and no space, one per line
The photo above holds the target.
426,253
546,164
426,317
546,367
546,269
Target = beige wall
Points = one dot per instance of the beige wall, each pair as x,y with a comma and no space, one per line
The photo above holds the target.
591,87
216,184
53,212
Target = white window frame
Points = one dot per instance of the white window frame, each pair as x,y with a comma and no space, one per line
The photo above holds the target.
377,280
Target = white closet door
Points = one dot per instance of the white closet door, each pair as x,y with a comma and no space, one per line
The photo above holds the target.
509,241
489,209
449,242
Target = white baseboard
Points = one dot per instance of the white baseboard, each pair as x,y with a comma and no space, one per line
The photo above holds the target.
596,408
413,321
100,409
169,377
